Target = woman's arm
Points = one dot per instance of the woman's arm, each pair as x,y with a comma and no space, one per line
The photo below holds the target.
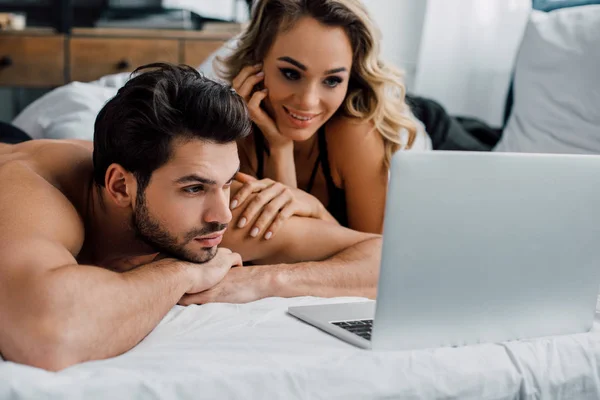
274,201
280,165
356,155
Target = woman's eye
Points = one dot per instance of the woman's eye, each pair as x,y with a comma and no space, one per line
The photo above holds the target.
193,189
333,81
290,74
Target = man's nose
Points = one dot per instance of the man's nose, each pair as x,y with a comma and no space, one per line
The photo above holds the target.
218,210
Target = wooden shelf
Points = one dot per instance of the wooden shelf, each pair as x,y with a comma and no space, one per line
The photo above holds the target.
156,33
38,57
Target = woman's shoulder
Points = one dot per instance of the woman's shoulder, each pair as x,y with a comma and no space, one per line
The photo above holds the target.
345,133
349,135
351,141
339,124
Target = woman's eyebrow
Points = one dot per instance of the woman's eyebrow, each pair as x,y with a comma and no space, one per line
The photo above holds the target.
335,70
304,68
293,62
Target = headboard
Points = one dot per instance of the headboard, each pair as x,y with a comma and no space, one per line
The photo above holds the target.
543,5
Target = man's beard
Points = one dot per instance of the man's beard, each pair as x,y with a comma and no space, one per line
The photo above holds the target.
151,232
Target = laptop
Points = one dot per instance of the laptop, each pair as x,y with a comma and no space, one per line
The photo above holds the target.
479,248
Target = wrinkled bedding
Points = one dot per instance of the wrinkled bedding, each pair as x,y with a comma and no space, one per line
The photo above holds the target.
258,351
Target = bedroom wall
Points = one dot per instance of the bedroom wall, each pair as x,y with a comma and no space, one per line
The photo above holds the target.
467,54
401,25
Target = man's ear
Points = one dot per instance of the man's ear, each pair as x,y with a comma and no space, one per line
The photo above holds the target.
121,186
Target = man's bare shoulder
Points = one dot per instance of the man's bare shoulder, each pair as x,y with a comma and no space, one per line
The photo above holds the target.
38,182
47,154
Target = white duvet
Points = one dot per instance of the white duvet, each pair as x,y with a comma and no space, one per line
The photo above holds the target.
258,351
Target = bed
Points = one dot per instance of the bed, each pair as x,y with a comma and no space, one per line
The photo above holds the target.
258,351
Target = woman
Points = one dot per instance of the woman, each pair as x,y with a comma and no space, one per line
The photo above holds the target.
328,115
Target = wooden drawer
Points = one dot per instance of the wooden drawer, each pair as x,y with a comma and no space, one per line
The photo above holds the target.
195,52
93,58
32,61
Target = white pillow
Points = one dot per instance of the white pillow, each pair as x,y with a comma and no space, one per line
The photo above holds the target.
68,112
557,85
115,80
207,68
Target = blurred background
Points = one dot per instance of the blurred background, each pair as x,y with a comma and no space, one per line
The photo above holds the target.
459,52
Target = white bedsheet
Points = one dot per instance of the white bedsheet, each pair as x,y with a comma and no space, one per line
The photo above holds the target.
257,351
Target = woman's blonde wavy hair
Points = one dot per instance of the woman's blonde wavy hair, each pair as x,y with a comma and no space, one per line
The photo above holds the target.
375,91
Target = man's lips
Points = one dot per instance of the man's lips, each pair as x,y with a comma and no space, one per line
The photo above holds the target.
211,235
210,240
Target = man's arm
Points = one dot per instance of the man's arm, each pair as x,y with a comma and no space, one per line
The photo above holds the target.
327,260
300,239
53,312
352,272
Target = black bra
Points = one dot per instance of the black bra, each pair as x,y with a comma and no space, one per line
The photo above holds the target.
337,196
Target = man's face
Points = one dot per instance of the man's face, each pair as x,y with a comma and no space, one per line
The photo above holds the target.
184,211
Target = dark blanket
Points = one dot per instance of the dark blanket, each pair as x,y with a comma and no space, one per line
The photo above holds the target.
453,133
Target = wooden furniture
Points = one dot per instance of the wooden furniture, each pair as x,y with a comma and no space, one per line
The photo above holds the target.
41,58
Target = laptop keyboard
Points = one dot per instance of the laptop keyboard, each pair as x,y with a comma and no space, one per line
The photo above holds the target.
361,327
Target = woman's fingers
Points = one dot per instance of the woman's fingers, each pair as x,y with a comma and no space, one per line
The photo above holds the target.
256,112
286,212
244,74
270,212
260,202
249,188
248,85
259,116
244,178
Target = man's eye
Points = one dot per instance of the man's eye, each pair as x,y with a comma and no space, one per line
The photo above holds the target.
333,81
290,74
193,189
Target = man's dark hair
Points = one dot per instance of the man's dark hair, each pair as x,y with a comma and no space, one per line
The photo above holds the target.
160,103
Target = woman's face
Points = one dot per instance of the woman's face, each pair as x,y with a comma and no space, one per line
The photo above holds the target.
306,74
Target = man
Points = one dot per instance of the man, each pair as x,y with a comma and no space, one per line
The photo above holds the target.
95,248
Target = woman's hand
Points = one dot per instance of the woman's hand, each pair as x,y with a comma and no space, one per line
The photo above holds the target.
275,203
244,84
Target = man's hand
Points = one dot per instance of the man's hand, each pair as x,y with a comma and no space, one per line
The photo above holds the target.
206,275
240,285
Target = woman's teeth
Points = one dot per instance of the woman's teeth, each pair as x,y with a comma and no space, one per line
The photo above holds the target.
299,117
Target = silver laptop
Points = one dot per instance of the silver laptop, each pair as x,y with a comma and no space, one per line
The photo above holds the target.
479,247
